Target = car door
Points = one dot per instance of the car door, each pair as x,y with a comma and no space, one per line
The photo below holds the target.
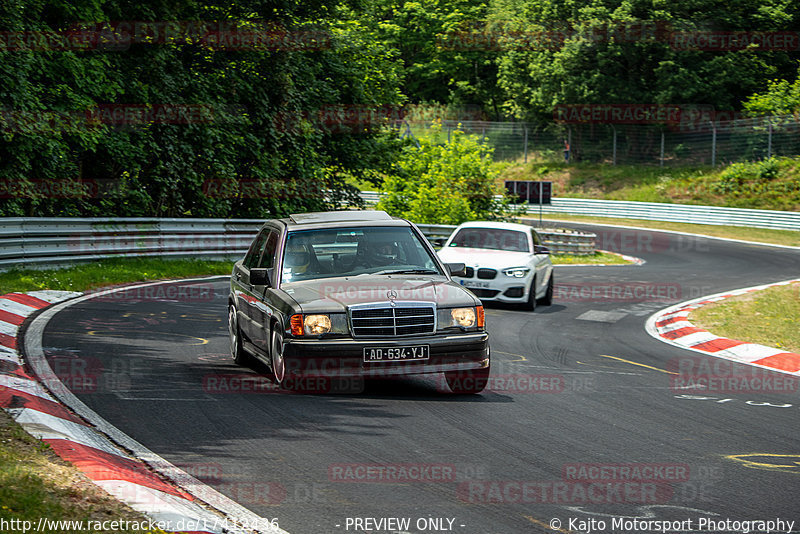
263,307
243,290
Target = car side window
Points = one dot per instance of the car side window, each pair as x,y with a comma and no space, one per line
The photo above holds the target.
268,256
256,249
536,240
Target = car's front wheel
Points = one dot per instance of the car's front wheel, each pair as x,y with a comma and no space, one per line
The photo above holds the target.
467,382
547,299
240,357
277,361
530,304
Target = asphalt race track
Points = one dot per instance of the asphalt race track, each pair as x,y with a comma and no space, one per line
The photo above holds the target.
585,421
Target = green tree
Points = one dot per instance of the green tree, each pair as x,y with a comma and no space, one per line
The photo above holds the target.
563,52
274,134
442,60
780,98
444,183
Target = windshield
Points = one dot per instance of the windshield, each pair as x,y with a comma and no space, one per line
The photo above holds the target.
491,238
326,253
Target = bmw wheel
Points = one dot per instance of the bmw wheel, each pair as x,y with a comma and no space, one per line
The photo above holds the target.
530,304
547,300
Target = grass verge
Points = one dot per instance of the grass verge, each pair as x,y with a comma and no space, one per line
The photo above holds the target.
598,258
773,315
109,272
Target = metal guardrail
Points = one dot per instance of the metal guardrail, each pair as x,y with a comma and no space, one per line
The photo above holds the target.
656,211
565,241
32,242
37,241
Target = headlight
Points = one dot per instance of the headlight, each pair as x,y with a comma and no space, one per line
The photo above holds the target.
464,317
315,325
517,272
461,318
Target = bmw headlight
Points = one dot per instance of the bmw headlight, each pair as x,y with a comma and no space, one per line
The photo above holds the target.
517,272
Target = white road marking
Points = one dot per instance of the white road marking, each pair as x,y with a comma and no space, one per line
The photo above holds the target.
601,316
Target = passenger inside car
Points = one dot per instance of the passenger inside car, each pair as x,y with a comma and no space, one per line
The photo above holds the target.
382,253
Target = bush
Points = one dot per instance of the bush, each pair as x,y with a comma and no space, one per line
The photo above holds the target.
444,183
741,177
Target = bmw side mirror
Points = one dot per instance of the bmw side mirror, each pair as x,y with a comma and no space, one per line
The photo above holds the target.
540,249
259,277
457,269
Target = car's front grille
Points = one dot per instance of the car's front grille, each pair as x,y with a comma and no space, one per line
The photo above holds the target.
384,320
470,272
487,274
483,293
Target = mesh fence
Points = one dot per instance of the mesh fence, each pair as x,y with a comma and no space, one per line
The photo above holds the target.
694,143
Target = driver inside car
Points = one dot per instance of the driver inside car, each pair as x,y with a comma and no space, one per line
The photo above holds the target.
296,260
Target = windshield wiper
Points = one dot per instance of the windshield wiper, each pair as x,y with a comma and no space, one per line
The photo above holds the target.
408,271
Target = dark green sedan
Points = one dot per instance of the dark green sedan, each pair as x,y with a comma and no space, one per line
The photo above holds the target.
354,294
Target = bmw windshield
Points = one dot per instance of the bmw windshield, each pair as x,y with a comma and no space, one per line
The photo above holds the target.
331,252
491,239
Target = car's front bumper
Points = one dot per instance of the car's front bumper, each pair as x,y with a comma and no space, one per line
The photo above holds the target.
500,289
345,357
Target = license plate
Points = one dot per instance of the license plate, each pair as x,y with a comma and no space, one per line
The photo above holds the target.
396,354
476,284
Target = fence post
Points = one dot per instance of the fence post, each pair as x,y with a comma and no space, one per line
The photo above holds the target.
448,133
525,141
662,148
614,156
713,144
769,137
569,142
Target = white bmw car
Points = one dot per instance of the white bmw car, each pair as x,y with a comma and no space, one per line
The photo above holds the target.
505,262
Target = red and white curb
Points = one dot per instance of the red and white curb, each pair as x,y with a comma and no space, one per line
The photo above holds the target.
672,326
122,473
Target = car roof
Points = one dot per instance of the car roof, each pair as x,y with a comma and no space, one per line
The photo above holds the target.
333,219
336,216
496,225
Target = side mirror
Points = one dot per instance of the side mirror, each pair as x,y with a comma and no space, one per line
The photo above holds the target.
439,241
259,277
540,249
457,269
